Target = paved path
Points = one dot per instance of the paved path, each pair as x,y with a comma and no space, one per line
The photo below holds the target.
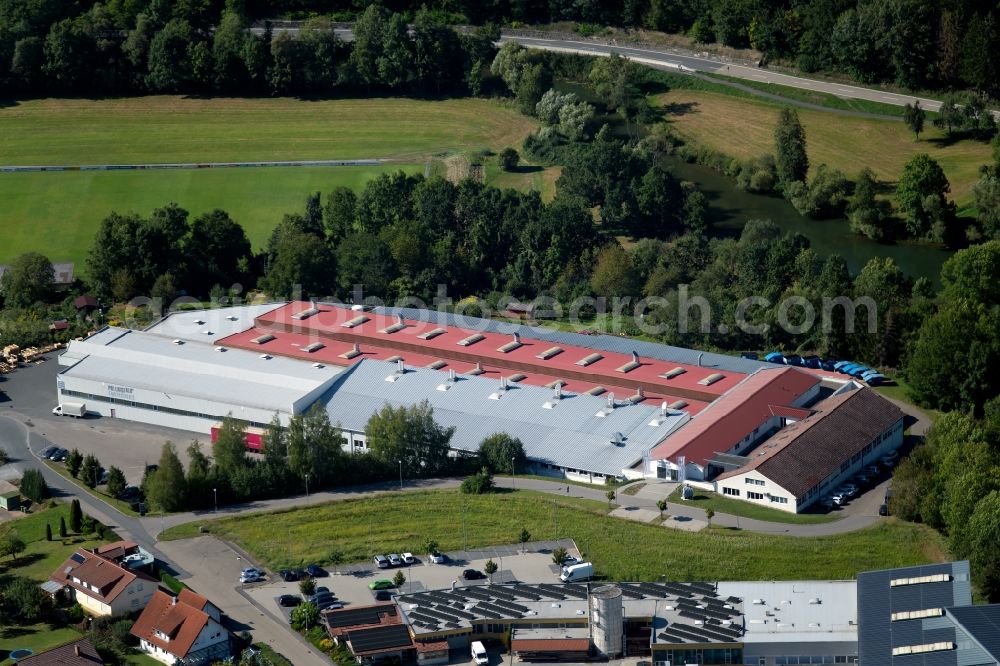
188,165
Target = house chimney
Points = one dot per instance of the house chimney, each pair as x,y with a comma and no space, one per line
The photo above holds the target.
517,337
76,650
173,601
451,376
635,357
699,359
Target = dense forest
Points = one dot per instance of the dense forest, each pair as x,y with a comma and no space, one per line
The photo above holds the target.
139,46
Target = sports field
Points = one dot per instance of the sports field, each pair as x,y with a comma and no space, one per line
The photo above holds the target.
744,128
58,212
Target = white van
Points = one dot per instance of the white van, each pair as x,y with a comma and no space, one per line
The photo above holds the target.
479,653
577,572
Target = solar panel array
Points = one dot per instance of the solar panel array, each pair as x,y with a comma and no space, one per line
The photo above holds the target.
379,638
350,617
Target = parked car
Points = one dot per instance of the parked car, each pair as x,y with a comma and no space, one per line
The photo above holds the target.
814,362
839,498
289,600
382,595
889,460
774,357
381,561
569,561
828,502
316,571
319,599
130,493
883,509
47,451
322,589
862,478
250,578
329,604
828,365
408,558
849,488
289,575
59,455
439,558
381,584
473,574
395,560
873,470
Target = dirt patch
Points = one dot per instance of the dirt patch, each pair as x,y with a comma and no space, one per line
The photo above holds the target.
633,489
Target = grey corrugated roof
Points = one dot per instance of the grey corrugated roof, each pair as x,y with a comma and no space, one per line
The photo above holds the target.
569,435
142,360
221,322
620,345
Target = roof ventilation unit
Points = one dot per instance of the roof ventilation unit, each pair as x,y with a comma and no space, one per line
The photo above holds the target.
430,335
233,318
266,357
449,383
661,417
313,346
207,332
814,601
178,342
711,379
199,322
476,371
678,404
220,349
436,365
394,328
305,314
357,321
517,377
261,339
608,408
631,365
589,359
318,365
549,353
353,352
637,398
670,374
496,395
471,340
597,390
398,372
618,439
556,396
394,359
511,346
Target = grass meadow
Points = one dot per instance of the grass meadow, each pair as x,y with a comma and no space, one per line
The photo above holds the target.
705,500
744,127
619,549
59,212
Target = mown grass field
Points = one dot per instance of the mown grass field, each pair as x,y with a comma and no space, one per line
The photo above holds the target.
619,549
705,500
58,213
744,128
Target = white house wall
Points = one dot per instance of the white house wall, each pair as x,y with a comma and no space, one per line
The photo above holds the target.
742,484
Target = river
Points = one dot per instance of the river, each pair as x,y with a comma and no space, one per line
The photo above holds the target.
731,208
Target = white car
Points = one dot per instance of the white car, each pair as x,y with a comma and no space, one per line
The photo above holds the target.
839,498
394,560
251,571
408,558
437,558
250,578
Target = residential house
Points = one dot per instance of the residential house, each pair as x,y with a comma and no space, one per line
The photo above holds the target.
77,653
185,629
101,585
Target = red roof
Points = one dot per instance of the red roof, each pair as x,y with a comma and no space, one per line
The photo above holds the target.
376,337
732,417
172,617
96,571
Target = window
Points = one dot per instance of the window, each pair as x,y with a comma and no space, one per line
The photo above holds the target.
754,496
754,482
731,491
779,500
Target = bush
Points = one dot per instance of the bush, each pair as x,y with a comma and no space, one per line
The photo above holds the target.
508,159
824,197
75,614
478,484
305,616
307,586
25,601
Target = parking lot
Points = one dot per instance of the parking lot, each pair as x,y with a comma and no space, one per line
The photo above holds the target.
350,583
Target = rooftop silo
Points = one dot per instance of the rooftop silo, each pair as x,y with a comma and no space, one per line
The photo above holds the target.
606,630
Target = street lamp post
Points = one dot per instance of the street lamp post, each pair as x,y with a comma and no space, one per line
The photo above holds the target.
215,492
400,474
512,474
307,484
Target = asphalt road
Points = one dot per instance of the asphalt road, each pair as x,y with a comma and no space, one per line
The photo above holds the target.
679,61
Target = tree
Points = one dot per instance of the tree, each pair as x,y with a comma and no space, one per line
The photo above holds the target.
73,462
986,193
33,486
614,275
168,486
790,148
709,514
274,443
509,63
914,117
399,579
535,80
661,504
48,532
230,446
336,558
339,212
369,31
616,81
611,497
984,534
867,214
305,616
218,251
28,280
90,471
302,262
116,482
824,197
307,586
170,67
490,568
498,450
62,527
547,109
921,196
508,159
409,435
26,601
396,56
559,555
973,274
11,544
574,118
431,547
524,537
75,516
479,483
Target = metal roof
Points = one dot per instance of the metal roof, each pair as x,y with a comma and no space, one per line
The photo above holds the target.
617,344
797,611
568,434
219,322
141,360
981,624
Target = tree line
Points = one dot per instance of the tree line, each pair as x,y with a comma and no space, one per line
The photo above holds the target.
118,47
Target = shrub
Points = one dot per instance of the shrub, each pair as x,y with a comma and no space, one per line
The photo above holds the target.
508,159
478,484
307,586
33,486
305,616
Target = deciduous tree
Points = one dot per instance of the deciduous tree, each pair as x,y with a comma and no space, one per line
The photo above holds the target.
28,280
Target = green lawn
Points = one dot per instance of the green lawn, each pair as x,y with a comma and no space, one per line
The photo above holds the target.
41,557
705,500
37,638
620,549
270,655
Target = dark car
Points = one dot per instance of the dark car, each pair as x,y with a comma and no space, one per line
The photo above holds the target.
315,571
59,455
289,600
322,589
883,509
382,595
289,575
473,574
329,604
47,451
320,599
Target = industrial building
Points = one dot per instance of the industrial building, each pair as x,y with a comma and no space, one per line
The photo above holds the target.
586,407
